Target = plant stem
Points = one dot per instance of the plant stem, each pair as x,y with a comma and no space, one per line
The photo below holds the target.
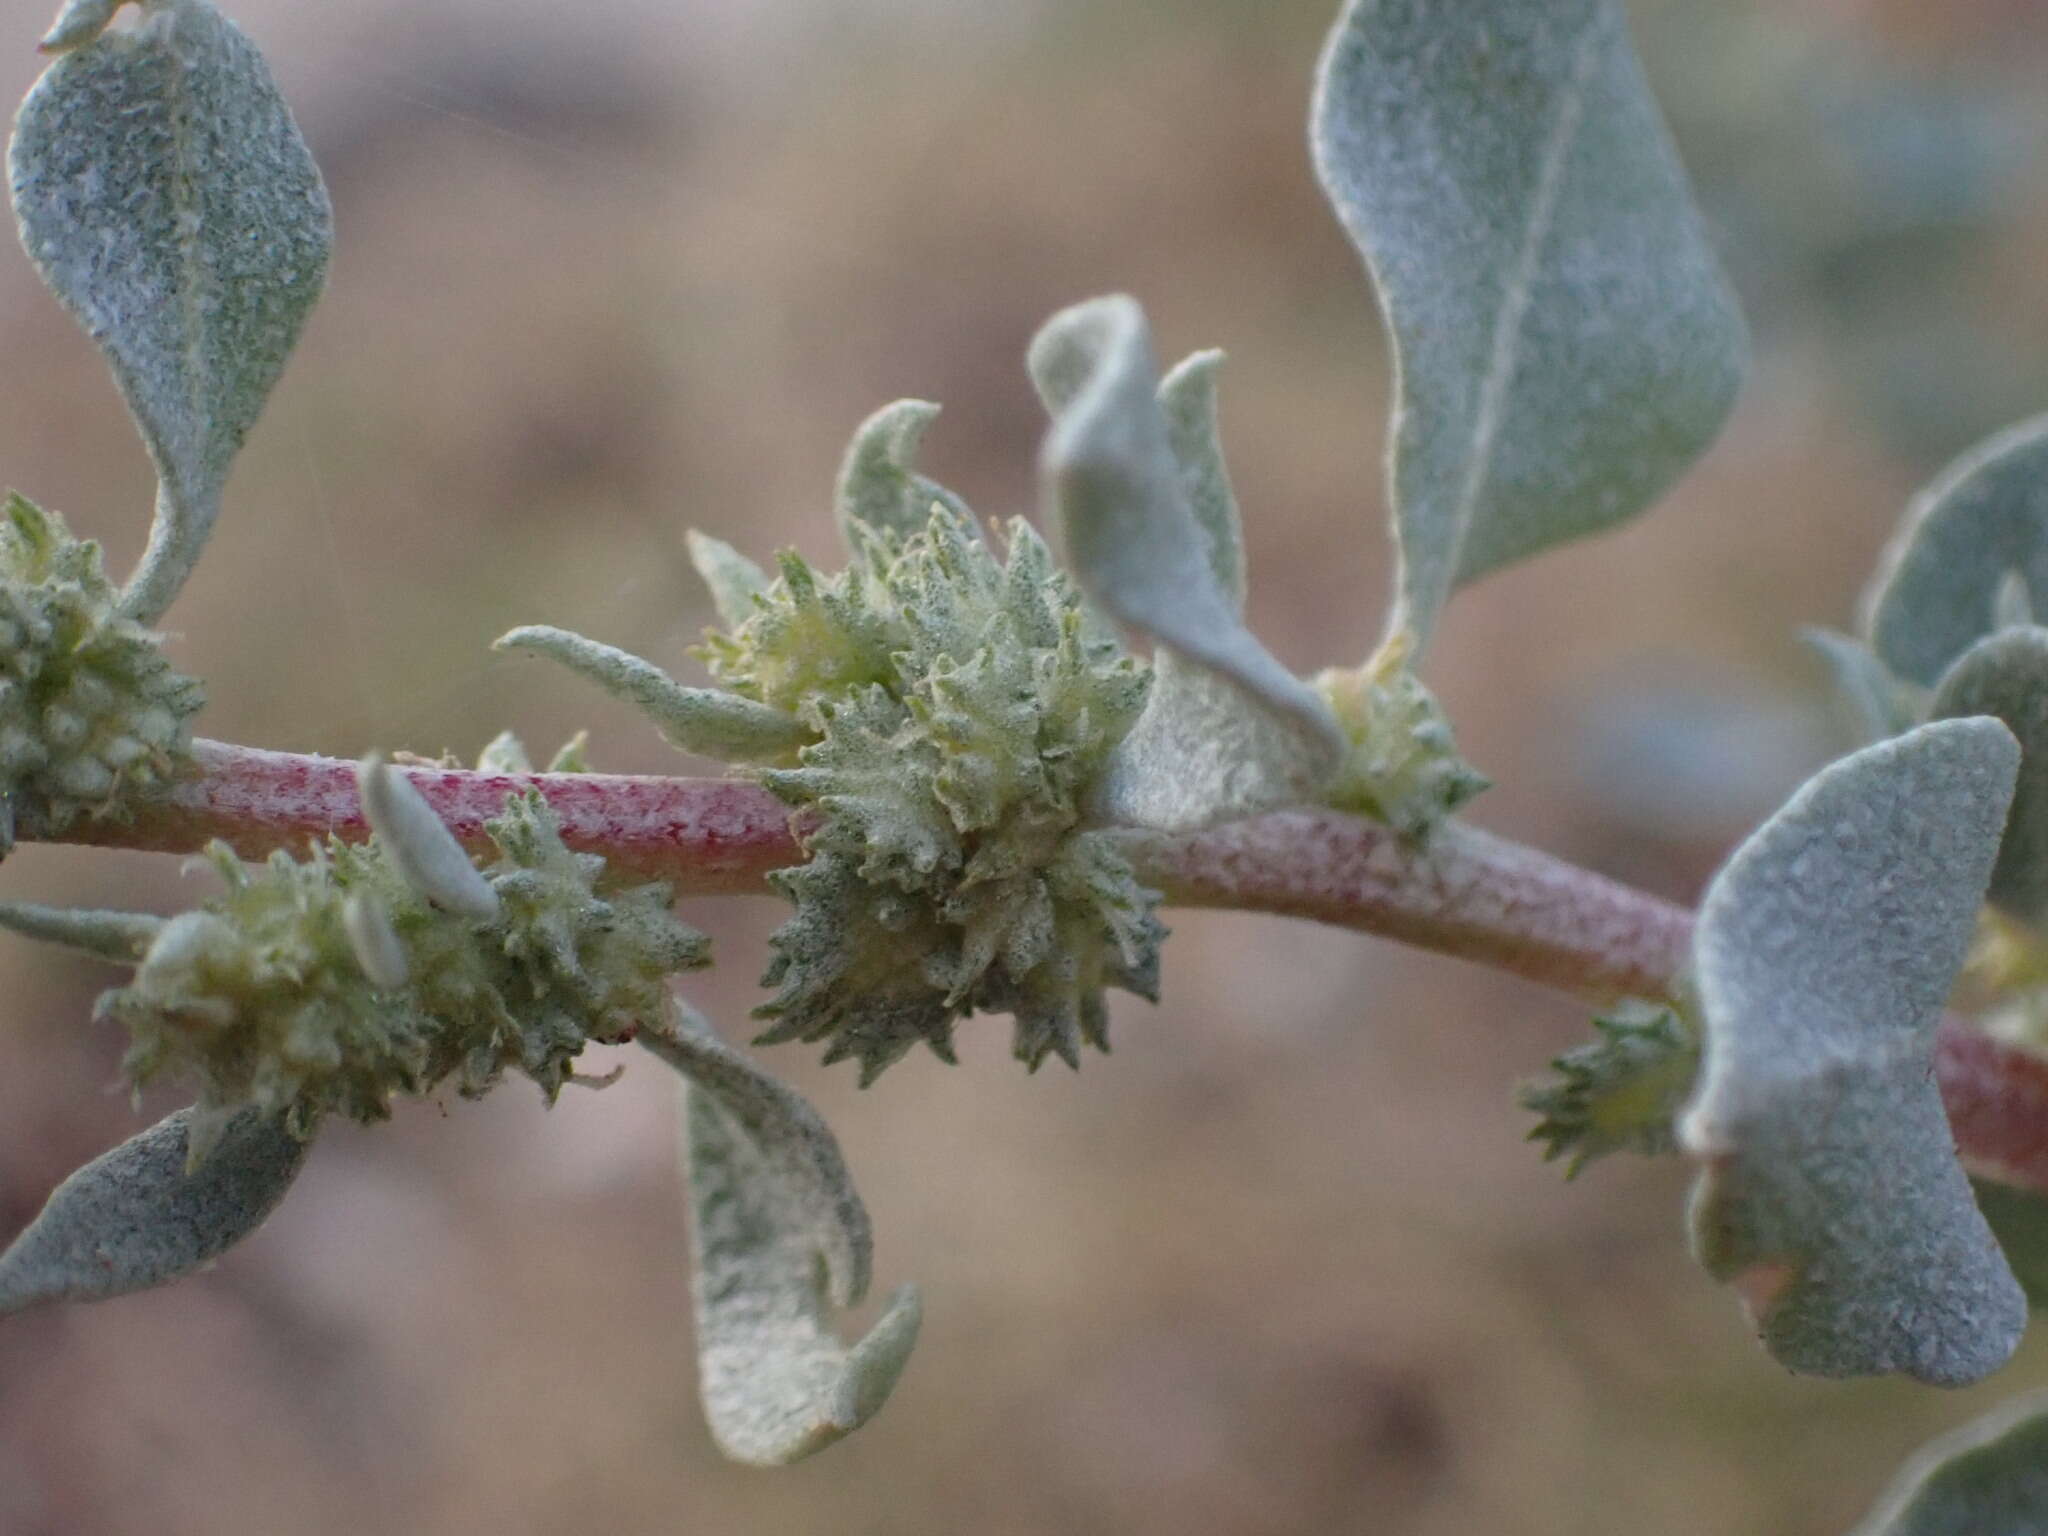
1467,893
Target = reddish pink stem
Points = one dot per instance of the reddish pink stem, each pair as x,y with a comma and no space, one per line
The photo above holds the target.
1470,894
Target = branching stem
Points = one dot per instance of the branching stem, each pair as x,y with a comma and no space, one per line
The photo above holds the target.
1468,894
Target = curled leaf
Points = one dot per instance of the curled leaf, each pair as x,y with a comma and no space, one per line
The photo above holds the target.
1565,344
137,1216
707,721
1118,490
879,486
419,843
1989,1478
166,197
779,1236
1825,950
1981,521
2006,675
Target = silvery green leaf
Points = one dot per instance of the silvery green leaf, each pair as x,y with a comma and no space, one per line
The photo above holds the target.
420,844
1117,491
121,937
1981,520
733,579
879,485
135,1217
1881,704
707,721
1565,344
2019,1220
1825,949
1188,397
2006,675
1989,1478
165,195
779,1237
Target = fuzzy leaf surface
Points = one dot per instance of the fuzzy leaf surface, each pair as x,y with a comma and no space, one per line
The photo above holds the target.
1989,1478
1250,734
165,195
2006,675
1981,520
1564,341
779,1237
707,721
135,1217
1825,950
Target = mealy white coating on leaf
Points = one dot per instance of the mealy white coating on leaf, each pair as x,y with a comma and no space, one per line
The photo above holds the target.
1881,704
879,486
164,193
121,937
1979,521
734,580
134,1217
1116,488
2005,675
778,1236
1564,341
1989,1478
707,721
1824,952
420,844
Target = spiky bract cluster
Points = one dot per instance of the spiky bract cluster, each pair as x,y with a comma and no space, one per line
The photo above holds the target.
328,985
964,707
90,711
1618,1093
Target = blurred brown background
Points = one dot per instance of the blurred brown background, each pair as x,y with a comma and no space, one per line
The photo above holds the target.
1284,1262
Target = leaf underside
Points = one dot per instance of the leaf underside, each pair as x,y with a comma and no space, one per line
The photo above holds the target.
779,1237
1824,952
1565,342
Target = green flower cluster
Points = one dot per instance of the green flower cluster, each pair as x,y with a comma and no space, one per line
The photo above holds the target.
963,707
90,711
1619,1093
328,985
